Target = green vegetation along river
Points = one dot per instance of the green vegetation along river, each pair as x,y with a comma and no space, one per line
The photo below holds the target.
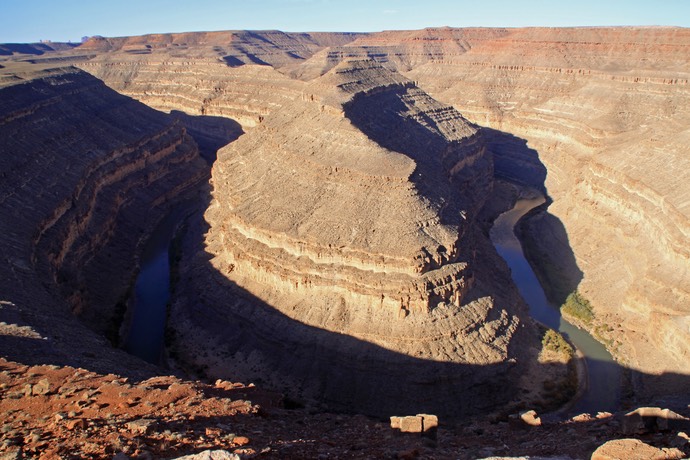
603,390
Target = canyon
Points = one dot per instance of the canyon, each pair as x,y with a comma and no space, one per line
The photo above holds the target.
345,185
579,103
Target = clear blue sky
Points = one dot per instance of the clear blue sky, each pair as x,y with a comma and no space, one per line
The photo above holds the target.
62,20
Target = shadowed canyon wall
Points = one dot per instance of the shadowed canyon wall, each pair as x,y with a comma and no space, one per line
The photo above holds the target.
86,173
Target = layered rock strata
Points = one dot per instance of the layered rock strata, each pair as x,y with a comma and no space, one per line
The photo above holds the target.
86,173
605,111
341,261
227,74
197,85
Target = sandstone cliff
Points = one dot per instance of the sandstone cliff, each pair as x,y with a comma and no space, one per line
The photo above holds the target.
598,119
607,111
343,264
85,173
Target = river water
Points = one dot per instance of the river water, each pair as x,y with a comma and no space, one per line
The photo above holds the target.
152,293
604,375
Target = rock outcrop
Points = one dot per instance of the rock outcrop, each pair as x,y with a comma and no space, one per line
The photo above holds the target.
343,263
86,172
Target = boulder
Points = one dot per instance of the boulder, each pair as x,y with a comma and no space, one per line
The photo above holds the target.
531,418
653,419
211,455
524,420
41,388
426,424
411,424
634,449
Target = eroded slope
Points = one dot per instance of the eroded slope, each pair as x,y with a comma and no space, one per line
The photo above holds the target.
86,172
342,262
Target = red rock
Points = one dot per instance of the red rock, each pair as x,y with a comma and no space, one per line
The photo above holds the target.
240,441
76,424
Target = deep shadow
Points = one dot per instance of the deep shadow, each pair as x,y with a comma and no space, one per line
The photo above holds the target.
545,244
59,157
514,160
36,49
543,236
233,61
210,133
339,371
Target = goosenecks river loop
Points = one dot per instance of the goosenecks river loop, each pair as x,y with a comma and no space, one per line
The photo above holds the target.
601,390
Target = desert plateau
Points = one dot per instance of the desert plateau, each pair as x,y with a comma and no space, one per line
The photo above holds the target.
437,243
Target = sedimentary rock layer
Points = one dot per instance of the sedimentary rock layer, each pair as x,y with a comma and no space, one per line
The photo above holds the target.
227,74
606,111
197,85
85,173
597,117
342,249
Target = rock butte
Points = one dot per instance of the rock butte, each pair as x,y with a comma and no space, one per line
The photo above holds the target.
345,257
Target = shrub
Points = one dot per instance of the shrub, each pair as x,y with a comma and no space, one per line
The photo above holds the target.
554,341
578,307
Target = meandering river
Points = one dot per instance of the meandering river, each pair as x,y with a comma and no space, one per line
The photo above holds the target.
152,293
604,375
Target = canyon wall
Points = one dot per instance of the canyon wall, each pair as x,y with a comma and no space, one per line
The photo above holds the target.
86,173
606,109
595,117
343,263
228,74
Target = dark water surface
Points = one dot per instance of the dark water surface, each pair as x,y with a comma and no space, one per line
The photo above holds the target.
152,293
603,389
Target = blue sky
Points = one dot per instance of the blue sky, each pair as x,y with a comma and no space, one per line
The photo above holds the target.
62,20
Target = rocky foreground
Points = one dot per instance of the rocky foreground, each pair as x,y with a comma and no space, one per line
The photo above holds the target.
54,412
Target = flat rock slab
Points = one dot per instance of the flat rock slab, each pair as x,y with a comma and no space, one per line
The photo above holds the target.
211,455
634,449
421,423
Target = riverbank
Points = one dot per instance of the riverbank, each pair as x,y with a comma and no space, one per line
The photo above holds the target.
601,389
